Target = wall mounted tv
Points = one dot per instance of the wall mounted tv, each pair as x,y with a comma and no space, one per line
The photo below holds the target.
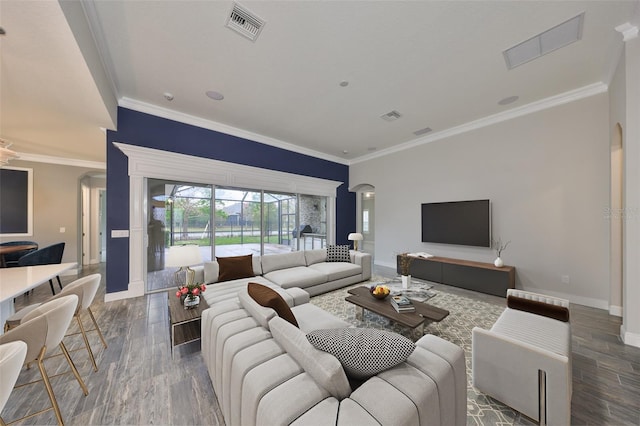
466,223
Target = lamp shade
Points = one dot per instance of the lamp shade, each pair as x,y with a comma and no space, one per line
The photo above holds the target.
355,236
179,256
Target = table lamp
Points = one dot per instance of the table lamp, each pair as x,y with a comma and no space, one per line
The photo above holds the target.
355,237
182,257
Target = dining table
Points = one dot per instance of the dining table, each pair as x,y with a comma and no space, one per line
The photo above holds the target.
12,249
15,282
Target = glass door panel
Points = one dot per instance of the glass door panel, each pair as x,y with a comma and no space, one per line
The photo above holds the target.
313,222
179,213
279,219
237,222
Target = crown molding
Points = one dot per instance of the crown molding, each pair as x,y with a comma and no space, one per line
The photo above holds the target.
222,128
628,31
155,163
553,101
60,160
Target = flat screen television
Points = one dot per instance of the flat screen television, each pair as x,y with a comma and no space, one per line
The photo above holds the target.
466,223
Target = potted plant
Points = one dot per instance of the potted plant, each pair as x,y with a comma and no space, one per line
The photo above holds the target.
404,263
499,247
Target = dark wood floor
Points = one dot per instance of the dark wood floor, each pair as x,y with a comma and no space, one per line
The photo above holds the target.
139,383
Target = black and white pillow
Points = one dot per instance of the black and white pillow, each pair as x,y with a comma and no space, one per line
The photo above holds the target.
363,352
338,254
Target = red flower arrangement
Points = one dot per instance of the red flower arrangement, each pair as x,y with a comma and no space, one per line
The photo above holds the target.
190,290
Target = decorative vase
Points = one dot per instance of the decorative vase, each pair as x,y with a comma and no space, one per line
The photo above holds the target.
191,302
498,262
406,281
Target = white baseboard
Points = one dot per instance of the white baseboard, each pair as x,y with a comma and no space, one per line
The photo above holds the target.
616,311
631,339
136,289
386,265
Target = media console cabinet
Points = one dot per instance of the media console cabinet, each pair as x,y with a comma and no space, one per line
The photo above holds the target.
476,276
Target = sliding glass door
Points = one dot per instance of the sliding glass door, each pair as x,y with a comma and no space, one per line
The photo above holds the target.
225,221
179,213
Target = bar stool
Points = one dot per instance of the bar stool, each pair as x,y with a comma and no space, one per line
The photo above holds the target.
85,288
43,328
12,357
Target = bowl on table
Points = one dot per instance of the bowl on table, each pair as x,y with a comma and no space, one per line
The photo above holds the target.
379,291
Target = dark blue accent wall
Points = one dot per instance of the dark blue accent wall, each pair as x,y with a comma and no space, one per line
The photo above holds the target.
140,129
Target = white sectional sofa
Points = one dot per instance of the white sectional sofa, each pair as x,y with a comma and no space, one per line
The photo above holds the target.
307,269
265,372
506,359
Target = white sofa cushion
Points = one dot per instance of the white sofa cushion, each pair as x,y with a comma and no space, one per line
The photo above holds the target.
539,331
297,276
260,313
310,317
336,270
325,369
274,262
315,256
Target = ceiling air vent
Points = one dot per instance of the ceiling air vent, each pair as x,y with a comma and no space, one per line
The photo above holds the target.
391,116
245,22
422,131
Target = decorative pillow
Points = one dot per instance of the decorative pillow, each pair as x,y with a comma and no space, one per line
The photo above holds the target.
363,352
270,298
338,254
556,312
235,267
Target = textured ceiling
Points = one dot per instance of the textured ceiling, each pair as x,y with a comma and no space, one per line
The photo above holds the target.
439,63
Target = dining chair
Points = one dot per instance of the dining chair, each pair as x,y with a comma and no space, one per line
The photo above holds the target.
43,329
45,256
85,288
11,259
12,357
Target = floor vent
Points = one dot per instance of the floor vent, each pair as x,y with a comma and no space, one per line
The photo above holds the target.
245,22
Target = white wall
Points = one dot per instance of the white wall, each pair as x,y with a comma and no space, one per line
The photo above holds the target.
547,175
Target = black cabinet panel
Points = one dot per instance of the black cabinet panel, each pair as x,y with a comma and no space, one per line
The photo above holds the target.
476,276
477,279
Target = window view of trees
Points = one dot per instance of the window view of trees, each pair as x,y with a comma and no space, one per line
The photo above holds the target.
243,221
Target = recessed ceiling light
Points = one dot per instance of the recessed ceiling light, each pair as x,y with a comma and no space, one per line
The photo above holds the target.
508,100
216,96
168,96
345,152
344,83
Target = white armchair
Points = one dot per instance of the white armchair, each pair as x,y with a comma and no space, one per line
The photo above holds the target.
526,353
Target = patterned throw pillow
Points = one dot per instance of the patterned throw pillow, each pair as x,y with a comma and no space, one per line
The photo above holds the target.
338,254
363,352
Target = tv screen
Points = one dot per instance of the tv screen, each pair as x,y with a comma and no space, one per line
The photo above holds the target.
466,223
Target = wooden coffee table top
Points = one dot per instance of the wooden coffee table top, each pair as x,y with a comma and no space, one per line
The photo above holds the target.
361,296
181,315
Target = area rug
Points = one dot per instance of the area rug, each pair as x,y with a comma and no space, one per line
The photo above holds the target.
465,313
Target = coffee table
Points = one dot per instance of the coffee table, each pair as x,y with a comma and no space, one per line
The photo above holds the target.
185,323
361,297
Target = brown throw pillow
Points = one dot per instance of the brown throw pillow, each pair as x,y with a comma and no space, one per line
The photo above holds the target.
556,312
235,267
270,298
